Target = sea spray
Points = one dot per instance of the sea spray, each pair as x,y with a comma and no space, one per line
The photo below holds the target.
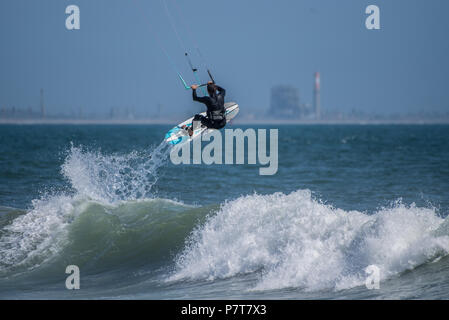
40,234
296,241
114,177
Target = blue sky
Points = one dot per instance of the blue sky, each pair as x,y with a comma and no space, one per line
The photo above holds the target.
115,61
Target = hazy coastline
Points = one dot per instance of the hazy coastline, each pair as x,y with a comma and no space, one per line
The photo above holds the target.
236,122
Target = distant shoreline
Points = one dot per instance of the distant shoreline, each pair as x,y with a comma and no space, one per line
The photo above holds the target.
237,122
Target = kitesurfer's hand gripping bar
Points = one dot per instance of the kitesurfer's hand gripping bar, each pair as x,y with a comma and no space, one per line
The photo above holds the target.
199,86
188,87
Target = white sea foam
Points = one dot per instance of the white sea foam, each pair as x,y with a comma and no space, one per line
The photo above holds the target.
297,241
34,237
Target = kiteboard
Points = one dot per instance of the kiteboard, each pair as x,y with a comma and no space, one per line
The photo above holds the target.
180,133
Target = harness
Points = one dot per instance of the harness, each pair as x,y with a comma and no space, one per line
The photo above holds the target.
218,114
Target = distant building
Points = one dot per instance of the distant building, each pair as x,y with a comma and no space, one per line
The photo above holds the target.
285,102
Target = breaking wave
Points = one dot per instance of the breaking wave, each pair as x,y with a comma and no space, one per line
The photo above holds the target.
109,208
296,241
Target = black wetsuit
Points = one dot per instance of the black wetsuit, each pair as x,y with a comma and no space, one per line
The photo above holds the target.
215,109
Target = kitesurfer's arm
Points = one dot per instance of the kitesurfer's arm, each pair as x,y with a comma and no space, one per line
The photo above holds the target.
195,97
221,91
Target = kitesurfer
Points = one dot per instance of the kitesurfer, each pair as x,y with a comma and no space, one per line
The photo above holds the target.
215,114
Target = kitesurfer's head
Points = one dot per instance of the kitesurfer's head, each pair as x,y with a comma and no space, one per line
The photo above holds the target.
211,89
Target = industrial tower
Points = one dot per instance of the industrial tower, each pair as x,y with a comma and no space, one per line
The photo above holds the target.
316,96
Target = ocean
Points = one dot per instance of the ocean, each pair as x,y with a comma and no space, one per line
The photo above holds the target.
107,199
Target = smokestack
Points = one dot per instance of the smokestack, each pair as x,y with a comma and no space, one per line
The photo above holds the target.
316,96
42,104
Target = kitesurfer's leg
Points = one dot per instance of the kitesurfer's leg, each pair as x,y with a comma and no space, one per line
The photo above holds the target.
196,123
218,125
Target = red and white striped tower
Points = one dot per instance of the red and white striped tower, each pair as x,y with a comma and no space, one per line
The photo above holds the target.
316,96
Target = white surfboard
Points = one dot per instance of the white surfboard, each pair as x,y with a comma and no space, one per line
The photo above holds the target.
179,134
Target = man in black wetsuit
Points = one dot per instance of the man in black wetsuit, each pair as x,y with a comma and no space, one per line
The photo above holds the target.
215,108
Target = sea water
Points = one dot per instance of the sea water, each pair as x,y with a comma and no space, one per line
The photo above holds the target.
108,200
